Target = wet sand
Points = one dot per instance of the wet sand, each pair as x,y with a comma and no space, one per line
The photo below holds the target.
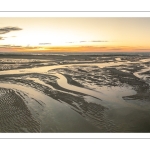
15,115
47,106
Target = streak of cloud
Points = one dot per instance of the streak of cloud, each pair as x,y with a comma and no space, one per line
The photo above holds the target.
44,43
19,46
94,41
10,46
83,41
5,30
69,42
98,41
1,38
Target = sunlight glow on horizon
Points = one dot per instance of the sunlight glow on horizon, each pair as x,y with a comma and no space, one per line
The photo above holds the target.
74,34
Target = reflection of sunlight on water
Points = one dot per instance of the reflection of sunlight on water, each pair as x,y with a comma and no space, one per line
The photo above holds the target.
47,68
36,80
143,76
100,94
145,60
106,94
54,114
40,82
119,59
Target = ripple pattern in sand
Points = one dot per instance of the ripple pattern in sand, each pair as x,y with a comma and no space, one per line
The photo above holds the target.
14,114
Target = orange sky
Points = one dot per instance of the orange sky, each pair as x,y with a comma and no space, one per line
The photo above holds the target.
74,34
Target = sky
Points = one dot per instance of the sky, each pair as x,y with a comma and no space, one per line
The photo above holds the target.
74,34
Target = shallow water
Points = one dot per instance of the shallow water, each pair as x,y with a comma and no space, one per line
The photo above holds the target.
145,60
105,96
63,81
119,59
55,116
45,69
40,82
58,116
139,75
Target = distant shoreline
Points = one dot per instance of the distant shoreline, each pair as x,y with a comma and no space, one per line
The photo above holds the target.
76,53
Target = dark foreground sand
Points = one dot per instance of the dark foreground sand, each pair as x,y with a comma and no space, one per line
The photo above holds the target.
14,114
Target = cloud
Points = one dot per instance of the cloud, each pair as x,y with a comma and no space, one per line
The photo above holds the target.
19,46
11,46
98,41
44,43
5,45
1,38
15,48
70,42
31,47
5,30
93,41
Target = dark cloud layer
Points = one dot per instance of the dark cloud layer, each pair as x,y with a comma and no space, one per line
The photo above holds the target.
5,30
